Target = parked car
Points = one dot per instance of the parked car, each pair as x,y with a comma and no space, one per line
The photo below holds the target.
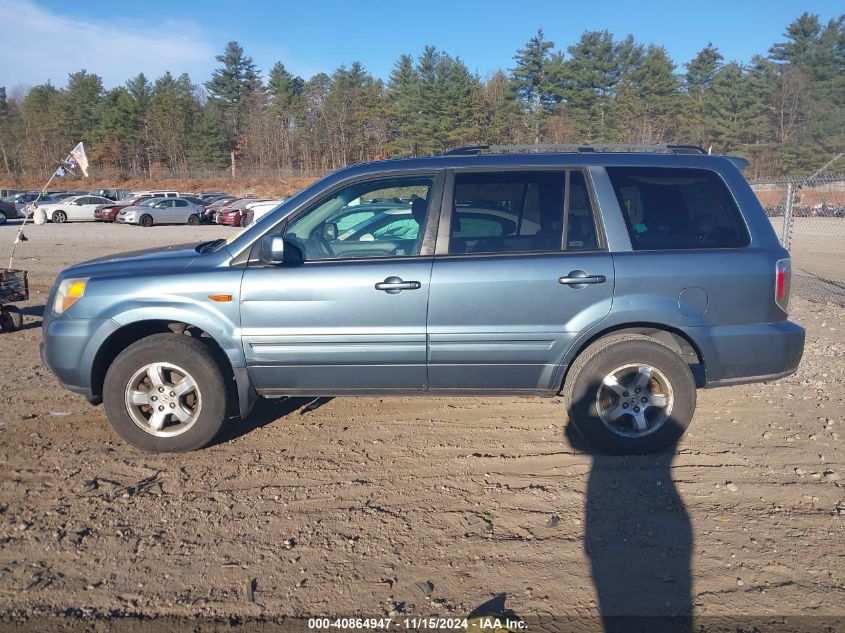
607,277
258,210
158,194
233,214
112,194
61,195
161,211
5,193
108,212
212,209
210,196
73,209
13,206
195,199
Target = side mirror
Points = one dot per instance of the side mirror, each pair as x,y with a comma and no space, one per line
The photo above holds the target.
272,249
330,231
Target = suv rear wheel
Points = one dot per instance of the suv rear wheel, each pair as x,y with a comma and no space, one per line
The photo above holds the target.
630,394
166,393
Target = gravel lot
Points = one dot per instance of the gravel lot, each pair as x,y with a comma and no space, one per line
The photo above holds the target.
412,507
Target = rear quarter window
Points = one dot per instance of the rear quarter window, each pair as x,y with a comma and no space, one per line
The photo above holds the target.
676,208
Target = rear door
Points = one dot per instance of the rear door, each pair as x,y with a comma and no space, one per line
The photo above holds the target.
181,211
507,297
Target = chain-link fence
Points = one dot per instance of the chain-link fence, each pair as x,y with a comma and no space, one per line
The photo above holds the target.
809,218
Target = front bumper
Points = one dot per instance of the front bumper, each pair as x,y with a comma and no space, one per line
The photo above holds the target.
68,347
738,354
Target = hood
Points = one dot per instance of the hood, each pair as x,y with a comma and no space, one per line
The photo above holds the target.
169,258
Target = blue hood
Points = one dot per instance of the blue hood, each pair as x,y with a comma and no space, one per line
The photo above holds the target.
170,258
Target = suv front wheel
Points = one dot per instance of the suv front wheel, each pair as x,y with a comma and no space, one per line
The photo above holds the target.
166,393
630,394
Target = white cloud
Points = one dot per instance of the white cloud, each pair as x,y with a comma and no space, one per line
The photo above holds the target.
40,45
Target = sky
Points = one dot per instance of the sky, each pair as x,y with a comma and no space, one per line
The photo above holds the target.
47,39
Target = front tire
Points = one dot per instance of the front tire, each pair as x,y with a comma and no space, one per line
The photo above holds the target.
630,394
166,393
59,217
2,218
146,220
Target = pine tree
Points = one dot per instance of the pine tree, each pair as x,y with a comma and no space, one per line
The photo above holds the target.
590,78
403,109
802,41
229,89
81,99
285,92
500,110
531,79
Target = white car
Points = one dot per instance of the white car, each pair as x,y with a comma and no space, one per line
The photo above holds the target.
161,211
73,209
257,210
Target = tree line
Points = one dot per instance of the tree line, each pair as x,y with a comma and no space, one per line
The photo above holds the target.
784,110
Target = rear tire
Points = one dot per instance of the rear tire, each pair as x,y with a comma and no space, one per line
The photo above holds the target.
59,217
149,400
11,318
630,394
193,220
146,220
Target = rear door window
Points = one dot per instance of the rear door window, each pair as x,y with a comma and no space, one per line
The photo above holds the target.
507,212
675,208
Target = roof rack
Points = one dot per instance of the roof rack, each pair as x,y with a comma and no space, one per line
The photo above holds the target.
474,150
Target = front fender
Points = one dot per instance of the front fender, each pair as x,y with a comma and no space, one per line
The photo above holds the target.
217,323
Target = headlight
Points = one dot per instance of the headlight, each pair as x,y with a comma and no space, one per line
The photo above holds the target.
70,291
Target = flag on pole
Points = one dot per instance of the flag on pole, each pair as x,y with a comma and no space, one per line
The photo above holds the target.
79,157
60,172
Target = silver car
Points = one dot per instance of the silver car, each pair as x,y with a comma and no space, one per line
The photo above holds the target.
162,211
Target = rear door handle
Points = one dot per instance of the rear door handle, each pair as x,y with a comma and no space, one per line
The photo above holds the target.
395,285
580,279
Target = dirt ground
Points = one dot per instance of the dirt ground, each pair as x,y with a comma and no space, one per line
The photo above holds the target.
399,507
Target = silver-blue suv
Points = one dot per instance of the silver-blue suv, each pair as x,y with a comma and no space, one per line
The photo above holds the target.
623,278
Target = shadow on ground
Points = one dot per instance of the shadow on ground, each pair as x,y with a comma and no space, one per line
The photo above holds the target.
267,411
638,539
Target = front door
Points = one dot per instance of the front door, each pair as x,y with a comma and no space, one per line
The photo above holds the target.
352,315
506,299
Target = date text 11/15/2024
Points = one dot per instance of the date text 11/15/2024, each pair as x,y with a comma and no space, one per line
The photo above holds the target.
484,623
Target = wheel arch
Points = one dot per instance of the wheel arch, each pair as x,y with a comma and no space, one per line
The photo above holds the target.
132,332
672,337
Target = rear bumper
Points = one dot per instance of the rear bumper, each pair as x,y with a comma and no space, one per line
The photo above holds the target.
738,354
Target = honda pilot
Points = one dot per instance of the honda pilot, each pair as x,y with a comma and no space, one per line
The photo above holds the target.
623,279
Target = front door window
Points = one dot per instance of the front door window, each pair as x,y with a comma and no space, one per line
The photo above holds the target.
372,219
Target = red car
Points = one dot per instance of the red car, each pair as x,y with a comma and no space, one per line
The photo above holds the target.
232,217
107,212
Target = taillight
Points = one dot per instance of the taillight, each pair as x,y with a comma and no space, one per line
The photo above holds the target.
783,279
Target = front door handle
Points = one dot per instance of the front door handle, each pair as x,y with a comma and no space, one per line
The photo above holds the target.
395,285
580,279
